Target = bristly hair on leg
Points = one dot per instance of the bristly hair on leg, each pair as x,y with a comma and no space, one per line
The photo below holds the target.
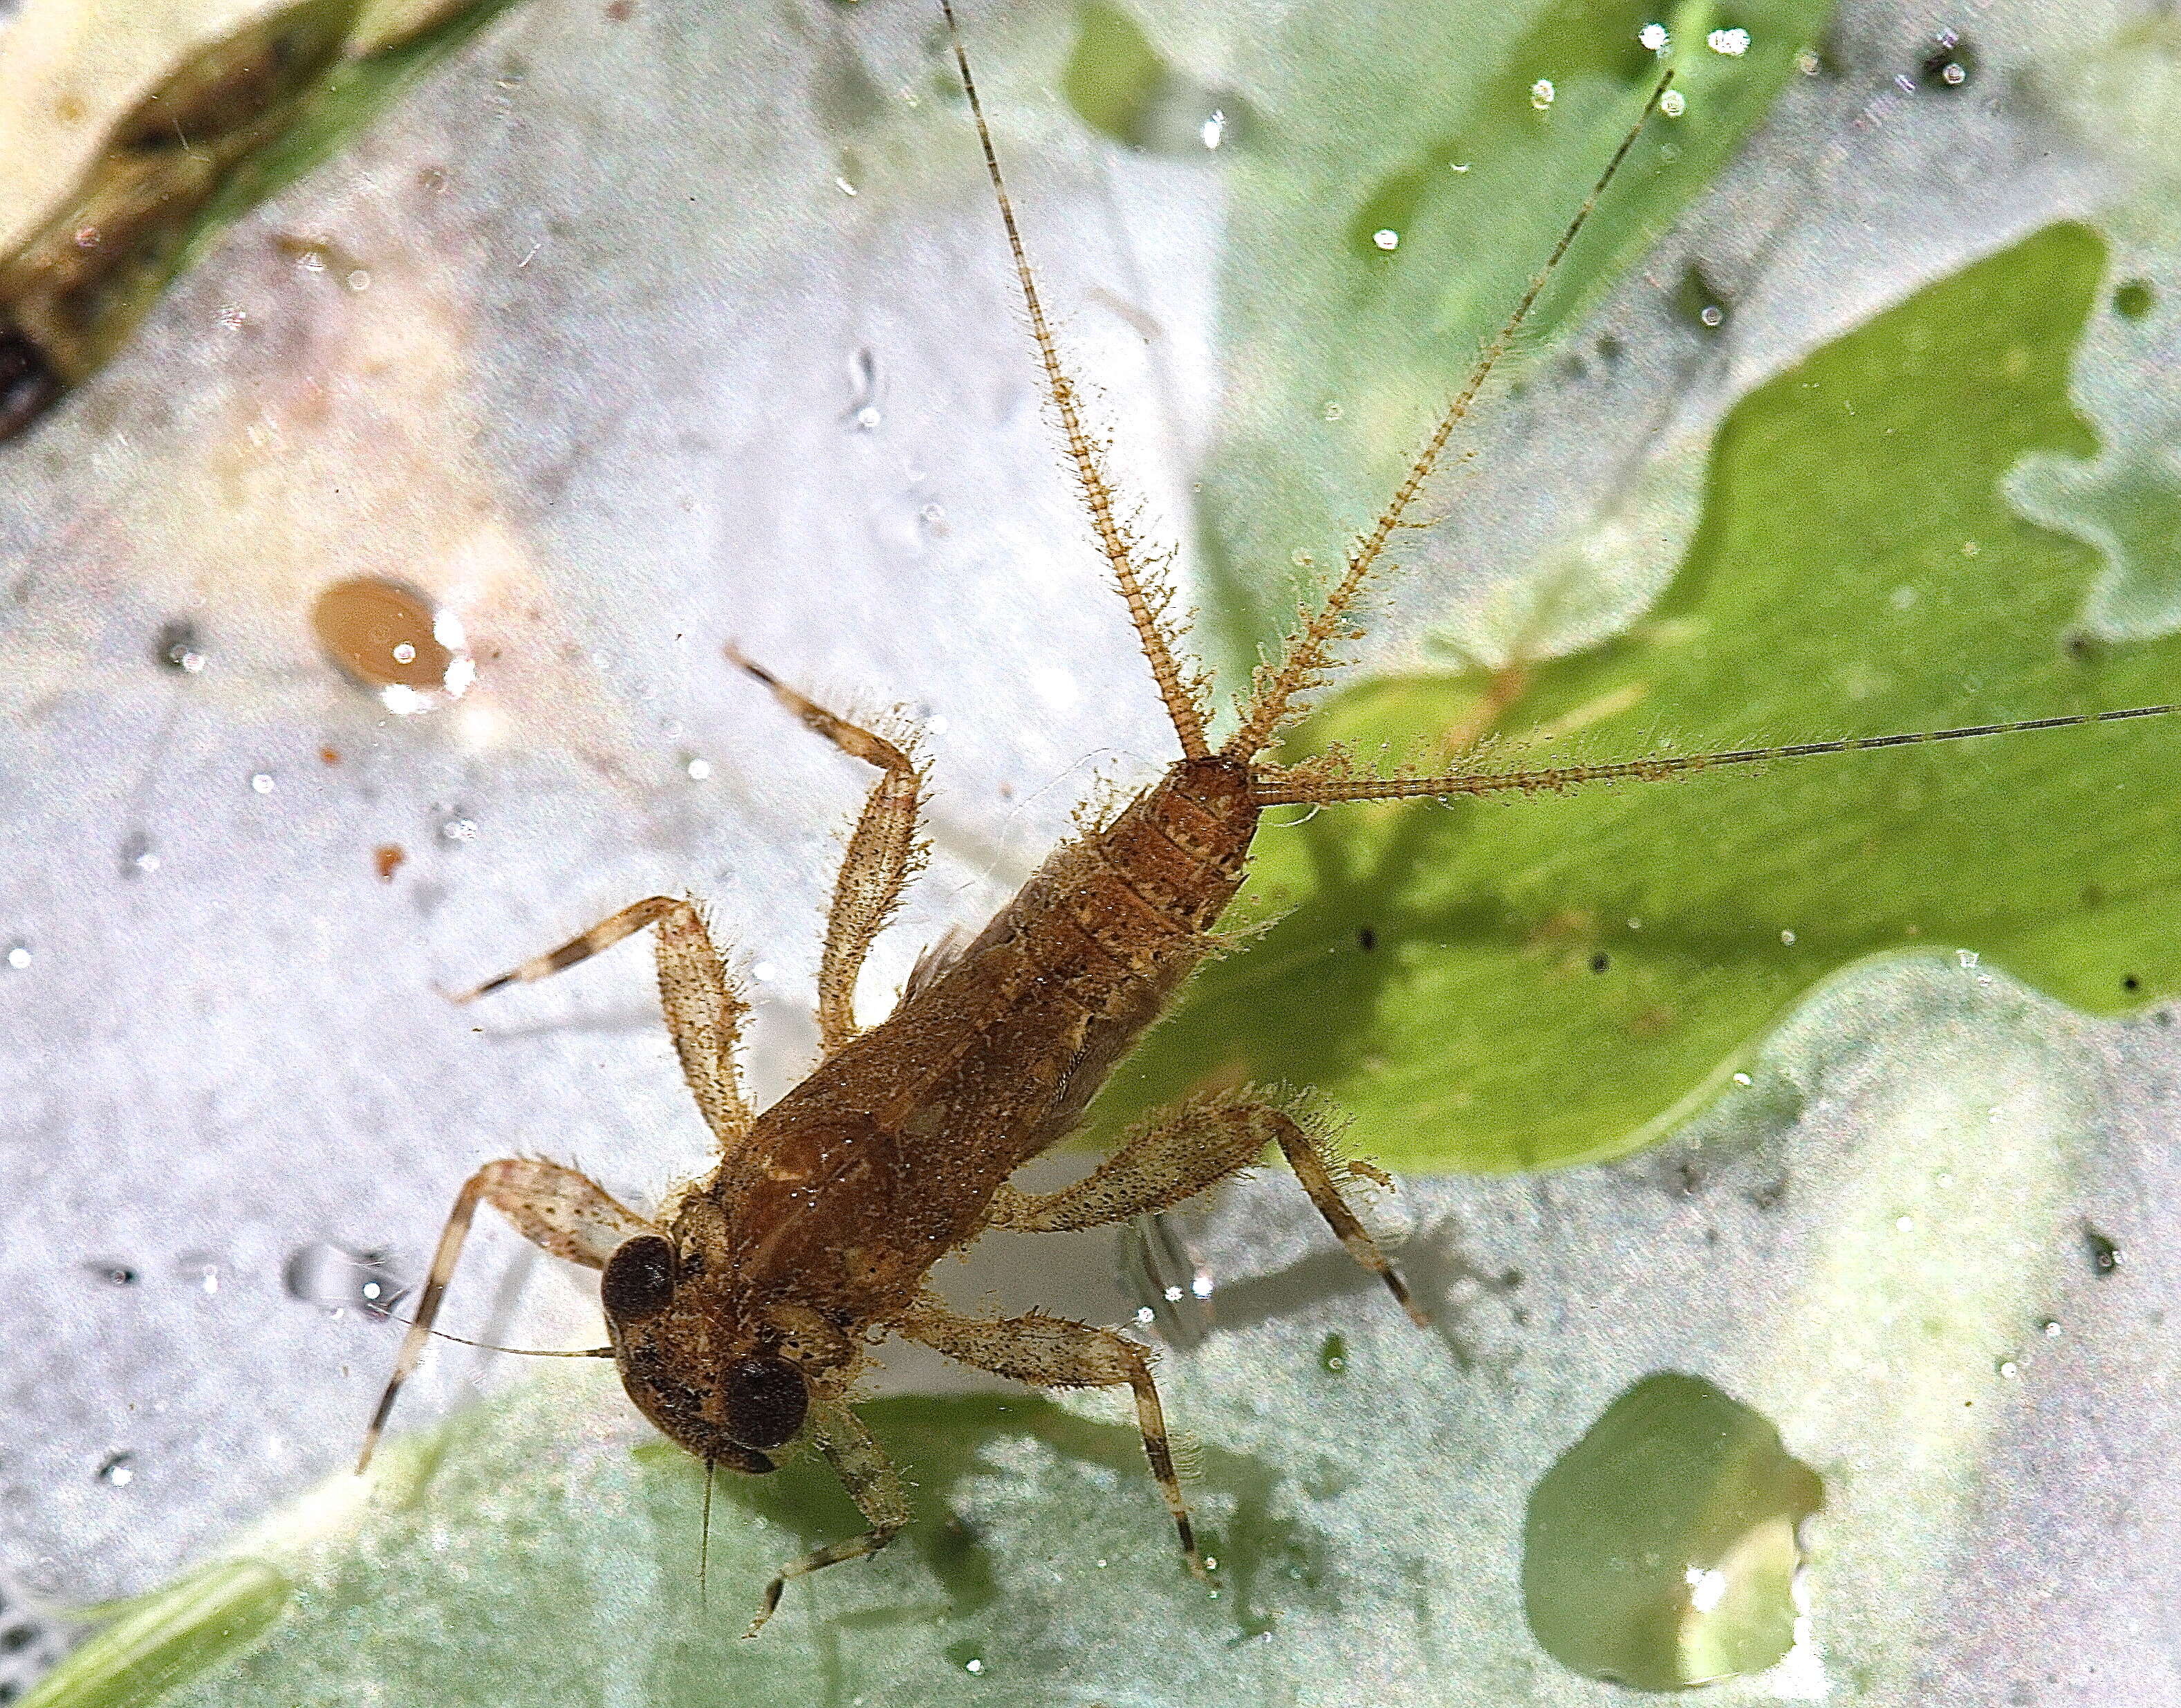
1144,585
1278,692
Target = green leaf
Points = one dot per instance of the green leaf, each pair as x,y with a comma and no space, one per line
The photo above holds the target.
1529,982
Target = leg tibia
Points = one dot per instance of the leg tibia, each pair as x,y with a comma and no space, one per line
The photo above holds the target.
1168,1158
556,1209
872,1481
1051,1352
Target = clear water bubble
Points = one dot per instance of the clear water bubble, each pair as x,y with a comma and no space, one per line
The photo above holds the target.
260,782
18,955
337,1279
138,858
1673,103
458,830
1387,239
1655,38
113,1273
178,648
1542,93
1731,43
118,1470
698,769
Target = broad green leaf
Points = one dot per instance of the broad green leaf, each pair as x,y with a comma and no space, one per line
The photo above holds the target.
1522,983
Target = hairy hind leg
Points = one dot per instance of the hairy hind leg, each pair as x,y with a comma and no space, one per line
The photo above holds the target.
882,853
705,1012
555,1208
1052,1352
1176,1156
873,1482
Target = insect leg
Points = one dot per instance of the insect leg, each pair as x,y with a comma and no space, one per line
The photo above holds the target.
1167,1159
604,935
882,853
1177,1155
564,1213
872,1480
705,1013
1052,1352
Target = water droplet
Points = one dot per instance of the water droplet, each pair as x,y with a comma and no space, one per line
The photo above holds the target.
868,418
260,782
1906,1225
1788,938
114,1274
1732,43
698,769
390,639
1698,302
177,648
1333,410
1661,1550
2051,1327
973,1666
1743,1080
1655,38
138,858
1333,1355
2105,1254
118,1470
765,972
1213,132
203,1267
336,1279
1968,959
1949,64
1387,239
458,830
1673,103
844,186
18,955
1542,93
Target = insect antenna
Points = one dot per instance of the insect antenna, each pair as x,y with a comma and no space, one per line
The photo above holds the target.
1559,779
705,1538
1276,691
1144,586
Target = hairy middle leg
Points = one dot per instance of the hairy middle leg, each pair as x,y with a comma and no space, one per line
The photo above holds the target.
1174,1156
873,1482
1052,1352
882,853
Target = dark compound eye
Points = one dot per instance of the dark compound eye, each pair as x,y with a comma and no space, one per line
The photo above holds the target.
640,1279
766,1400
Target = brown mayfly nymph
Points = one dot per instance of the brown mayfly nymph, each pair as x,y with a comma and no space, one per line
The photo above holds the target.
741,1314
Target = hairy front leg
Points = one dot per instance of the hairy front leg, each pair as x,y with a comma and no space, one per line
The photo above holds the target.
1174,1156
555,1208
882,853
873,1482
1052,1352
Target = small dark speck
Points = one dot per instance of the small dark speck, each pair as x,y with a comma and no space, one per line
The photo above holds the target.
1610,348
16,1638
2164,1017
1600,961
114,1274
1367,939
2104,1255
2131,983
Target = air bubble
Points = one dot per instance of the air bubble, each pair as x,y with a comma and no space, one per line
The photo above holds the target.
1213,132
337,1279
2051,1328
1673,103
118,1470
1542,93
1788,938
1949,64
177,648
698,769
260,782
458,830
1388,239
138,857
359,280
867,419
18,955
2008,1370
1743,1080
1731,43
1655,38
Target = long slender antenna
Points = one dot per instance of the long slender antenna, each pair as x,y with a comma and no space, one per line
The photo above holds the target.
1559,779
705,1538
1150,599
1276,691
